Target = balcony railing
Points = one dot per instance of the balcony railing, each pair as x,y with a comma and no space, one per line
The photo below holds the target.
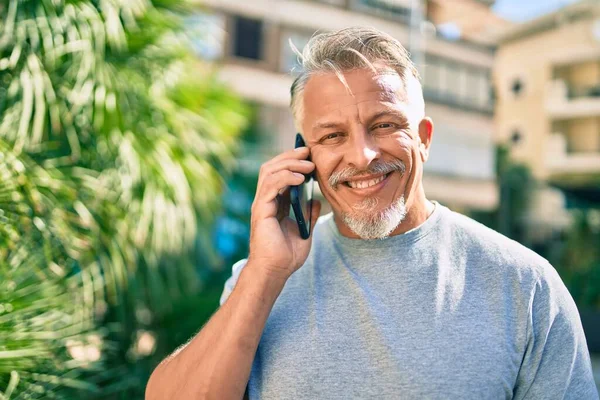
384,7
577,92
389,8
336,3
464,103
567,102
560,161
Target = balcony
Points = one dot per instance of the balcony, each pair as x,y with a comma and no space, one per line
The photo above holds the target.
568,102
571,169
480,105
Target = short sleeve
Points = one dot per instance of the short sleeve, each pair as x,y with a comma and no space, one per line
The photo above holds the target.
556,363
236,270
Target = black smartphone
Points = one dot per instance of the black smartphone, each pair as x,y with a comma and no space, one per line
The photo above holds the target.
301,198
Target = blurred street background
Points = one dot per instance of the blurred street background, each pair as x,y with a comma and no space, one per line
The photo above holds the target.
132,131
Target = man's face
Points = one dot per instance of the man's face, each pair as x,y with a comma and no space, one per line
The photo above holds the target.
366,145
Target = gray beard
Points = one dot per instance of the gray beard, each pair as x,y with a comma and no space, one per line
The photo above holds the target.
368,225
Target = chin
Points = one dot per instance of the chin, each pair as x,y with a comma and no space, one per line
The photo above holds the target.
368,222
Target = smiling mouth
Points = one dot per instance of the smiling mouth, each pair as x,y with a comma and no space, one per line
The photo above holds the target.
363,184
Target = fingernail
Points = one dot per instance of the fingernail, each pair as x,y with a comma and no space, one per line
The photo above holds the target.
300,148
298,175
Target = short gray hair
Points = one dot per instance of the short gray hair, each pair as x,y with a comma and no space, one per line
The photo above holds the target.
345,50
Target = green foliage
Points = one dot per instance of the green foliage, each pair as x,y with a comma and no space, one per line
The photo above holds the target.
516,184
577,258
112,137
46,309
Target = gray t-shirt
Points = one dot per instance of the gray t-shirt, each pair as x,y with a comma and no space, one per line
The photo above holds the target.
449,310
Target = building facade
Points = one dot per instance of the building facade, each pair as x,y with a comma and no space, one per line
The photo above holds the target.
547,76
250,40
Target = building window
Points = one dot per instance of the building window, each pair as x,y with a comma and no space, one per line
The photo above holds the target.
516,137
472,86
453,81
289,59
457,84
488,94
432,79
516,87
248,38
478,88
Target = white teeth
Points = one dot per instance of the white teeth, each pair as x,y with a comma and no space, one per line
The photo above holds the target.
365,184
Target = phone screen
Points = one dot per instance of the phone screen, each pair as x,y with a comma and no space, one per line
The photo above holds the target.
301,199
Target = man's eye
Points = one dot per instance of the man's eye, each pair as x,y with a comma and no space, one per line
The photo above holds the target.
385,125
330,136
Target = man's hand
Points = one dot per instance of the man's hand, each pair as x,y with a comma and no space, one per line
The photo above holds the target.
216,364
276,247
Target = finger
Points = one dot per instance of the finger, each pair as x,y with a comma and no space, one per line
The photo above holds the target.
290,160
301,153
279,181
303,166
264,205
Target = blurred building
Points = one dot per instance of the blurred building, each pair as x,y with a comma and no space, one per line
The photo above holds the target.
547,76
476,22
250,40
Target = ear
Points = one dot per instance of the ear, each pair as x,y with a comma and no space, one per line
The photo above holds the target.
425,137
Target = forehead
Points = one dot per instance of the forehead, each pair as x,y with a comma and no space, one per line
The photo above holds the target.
326,96
325,92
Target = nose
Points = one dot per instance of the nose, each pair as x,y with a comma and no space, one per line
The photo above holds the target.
363,151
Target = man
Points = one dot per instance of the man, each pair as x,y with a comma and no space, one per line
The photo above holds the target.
393,296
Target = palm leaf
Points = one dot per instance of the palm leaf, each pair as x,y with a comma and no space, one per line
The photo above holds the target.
45,307
112,139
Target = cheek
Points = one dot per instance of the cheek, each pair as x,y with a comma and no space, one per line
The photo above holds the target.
400,147
325,164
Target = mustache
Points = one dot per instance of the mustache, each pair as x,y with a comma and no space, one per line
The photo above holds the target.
378,168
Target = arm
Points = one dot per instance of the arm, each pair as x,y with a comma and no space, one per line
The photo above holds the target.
556,364
217,362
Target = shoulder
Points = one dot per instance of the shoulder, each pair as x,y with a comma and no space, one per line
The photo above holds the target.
493,248
505,258
510,262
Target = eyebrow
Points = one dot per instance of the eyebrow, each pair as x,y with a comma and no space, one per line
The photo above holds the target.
377,115
389,113
327,125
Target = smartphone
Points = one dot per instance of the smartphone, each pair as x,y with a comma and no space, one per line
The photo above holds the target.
301,198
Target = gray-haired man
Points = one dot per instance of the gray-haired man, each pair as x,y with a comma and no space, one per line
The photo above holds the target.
394,296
